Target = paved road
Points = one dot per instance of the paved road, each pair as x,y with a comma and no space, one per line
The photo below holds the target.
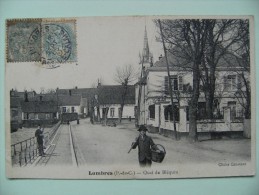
99,145
109,145
89,144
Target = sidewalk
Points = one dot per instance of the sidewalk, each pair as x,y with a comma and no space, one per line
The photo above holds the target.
59,151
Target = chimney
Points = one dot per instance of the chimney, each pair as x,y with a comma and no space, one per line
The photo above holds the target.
99,83
75,87
159,58
12,92
26,96
70,92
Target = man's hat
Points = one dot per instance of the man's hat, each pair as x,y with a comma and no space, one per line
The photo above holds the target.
142,128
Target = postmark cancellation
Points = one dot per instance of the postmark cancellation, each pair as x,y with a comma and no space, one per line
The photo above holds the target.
41,40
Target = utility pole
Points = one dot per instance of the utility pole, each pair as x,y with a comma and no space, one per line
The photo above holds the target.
169,80
140,89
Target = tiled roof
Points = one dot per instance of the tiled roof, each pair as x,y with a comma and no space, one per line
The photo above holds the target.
85,92
15,102
69,100
112,94
44,97
39,107
177,61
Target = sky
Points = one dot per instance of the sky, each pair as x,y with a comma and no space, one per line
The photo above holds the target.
103,43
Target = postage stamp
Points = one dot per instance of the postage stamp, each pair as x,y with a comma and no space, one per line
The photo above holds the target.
23,40
41,40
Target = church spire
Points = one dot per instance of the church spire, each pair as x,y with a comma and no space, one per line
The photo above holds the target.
145,53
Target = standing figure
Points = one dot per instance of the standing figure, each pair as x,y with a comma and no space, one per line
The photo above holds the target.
144,144
43,138
39,136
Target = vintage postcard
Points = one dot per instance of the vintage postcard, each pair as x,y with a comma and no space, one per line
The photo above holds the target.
137,97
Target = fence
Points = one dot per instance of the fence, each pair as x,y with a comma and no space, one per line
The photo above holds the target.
26,151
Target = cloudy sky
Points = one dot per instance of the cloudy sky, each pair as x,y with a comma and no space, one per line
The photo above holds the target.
104,43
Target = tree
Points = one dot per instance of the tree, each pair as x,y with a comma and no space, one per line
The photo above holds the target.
201,45
124,76
223,35
241,52
186,40
104,100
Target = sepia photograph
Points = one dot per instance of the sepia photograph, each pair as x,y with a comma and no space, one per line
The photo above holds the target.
130,97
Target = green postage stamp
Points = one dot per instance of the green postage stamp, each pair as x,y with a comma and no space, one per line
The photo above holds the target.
39,40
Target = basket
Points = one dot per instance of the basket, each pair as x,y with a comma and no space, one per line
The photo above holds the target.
158,155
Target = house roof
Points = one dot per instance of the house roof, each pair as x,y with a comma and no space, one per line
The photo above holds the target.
69,100
177,61
15,102
21,94
75,91
112,94
39,107
89,92
44,97
84,92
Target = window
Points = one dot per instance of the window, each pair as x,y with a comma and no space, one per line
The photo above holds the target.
176,82
112,112
64,109
168,113
151,109
105,112
73,109
230,82
31,116
26,116
232,105
14,113
47,116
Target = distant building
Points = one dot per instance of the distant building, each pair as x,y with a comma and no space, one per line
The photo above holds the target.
39,112
111,96
15,113
87,95
70,104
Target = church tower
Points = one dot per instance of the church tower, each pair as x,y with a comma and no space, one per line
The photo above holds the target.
146,56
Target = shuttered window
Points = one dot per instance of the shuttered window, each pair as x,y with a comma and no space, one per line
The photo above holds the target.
230,82
176,82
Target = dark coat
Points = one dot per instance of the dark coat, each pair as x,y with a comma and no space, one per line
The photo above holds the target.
39,136
144,147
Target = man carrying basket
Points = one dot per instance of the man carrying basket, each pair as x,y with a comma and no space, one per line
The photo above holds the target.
144,143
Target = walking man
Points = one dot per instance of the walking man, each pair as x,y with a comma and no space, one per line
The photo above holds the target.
144,143
39,136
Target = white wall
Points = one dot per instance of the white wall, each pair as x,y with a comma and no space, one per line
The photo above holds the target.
128,111
77,109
